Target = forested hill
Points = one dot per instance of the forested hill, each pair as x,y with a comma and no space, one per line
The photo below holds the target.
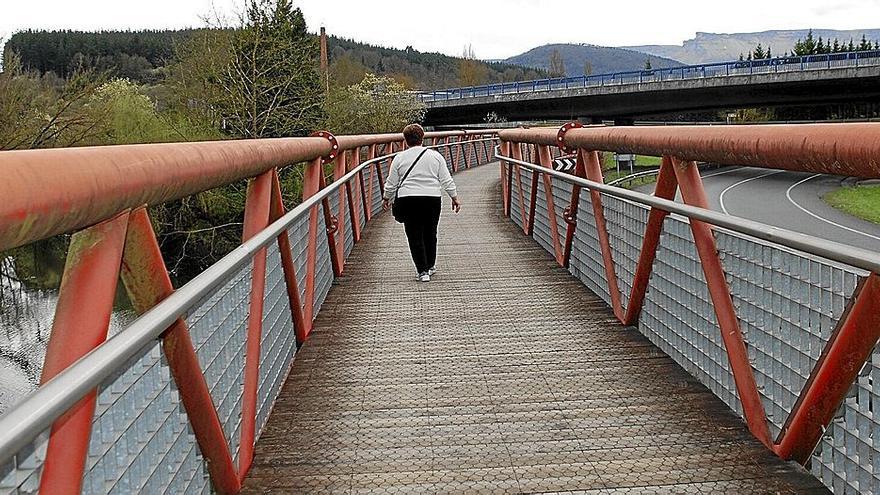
577,60
133,54
426,70
140,56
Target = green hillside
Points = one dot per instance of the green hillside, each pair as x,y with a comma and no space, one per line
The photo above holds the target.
141,55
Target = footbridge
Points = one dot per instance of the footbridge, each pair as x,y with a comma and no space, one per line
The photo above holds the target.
578,337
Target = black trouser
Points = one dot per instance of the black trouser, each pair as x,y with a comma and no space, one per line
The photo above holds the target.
422,214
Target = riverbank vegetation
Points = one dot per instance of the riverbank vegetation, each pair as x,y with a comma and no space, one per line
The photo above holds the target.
257,77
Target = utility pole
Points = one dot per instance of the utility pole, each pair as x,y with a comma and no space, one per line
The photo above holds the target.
325,65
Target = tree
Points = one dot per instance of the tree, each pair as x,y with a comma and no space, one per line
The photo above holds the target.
809,44
376,104
346,70
45,111
648,63
851,47
471,72
557,64
835,48
864,45
260,79
758,53
769,52
588,68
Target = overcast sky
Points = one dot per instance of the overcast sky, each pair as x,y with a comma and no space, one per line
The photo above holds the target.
495,28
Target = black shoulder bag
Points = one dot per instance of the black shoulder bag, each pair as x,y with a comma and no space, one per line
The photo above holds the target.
396,210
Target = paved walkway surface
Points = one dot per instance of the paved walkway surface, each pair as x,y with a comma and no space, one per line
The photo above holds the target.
502,375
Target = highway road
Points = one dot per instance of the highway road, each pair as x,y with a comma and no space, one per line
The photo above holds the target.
792,200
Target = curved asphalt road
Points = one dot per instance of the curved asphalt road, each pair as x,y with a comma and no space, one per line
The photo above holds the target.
791,200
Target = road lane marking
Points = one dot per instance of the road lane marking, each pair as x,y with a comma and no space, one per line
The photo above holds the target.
808,212
721,196
723,172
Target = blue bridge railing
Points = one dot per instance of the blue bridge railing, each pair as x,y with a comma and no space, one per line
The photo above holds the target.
717,69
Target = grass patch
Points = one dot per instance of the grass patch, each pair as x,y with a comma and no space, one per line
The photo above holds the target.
859,201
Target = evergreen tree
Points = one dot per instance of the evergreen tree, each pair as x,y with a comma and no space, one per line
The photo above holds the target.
820,46
835,48
809,45
758,52
864,45
851,47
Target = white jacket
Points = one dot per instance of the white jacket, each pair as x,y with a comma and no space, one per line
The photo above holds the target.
430,176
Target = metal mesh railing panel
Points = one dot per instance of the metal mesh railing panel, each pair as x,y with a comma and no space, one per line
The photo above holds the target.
218,327
788,305
278,342
21,474
141,440
847,459
586,261
626,223
678,315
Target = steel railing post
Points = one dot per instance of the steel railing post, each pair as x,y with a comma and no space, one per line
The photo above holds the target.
516,154
665,189
693,193
506,178
256,218
311,186
339,170
82,320
147,283
276,211
589,160
849,347
545,159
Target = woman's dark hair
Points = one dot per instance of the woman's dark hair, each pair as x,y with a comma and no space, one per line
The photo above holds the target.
413,134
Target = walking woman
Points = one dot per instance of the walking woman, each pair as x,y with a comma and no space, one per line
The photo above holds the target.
417,180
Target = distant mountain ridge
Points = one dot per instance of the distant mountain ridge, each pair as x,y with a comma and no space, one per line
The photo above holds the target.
601,59
720,47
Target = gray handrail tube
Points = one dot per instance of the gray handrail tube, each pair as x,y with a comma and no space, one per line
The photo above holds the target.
835,251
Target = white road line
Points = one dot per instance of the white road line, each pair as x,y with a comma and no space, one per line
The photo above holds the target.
723,172
721,196
808,212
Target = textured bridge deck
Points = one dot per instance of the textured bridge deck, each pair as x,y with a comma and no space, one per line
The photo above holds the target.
503,375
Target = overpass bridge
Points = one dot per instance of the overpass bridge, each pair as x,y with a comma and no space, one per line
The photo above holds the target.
782,81
578,337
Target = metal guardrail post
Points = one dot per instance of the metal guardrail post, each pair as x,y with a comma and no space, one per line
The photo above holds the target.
545,159
665,188
589,162
692,192
147,283
311,186
82,320
276,211
256,218
838,367
506,178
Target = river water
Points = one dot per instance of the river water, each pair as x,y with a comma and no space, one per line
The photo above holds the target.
26,315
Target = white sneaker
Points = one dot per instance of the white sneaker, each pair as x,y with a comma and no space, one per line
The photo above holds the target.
432,271
424,277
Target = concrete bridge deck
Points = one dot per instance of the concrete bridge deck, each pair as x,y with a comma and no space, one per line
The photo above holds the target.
502,375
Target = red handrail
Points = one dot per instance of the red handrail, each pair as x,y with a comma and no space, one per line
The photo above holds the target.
842,149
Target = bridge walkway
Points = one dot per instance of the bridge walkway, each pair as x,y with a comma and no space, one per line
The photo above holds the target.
502,375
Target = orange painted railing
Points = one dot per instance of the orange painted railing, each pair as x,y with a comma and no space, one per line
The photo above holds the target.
102,194
842,149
